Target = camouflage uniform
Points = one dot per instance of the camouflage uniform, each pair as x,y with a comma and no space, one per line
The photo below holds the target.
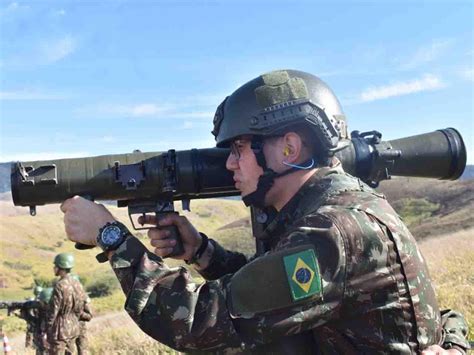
65,308
29,315
81,342
343,275
36,323
455,331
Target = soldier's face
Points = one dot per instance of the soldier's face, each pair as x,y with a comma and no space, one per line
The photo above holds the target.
56,270
243,163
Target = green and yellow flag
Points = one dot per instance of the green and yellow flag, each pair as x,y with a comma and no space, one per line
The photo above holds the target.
303,274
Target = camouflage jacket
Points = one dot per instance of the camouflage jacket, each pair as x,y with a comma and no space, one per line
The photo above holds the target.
65,308
343,275
36,324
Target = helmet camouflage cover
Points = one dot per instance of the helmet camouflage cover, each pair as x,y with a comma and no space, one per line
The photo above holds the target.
64,261
273,102
37,290
45,294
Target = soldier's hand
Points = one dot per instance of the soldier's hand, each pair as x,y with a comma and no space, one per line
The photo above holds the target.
159,238
83,219
438,350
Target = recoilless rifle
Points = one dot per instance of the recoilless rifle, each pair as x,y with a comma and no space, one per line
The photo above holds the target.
12,306
151,182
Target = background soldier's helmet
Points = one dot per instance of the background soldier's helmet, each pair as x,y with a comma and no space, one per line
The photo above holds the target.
45,294
64,261
37,290
76,277
272,102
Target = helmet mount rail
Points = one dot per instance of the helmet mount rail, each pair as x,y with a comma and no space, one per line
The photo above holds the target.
278,117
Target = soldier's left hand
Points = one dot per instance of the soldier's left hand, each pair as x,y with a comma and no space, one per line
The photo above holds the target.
83,219
438,350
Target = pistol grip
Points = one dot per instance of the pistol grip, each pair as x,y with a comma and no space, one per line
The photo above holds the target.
178,248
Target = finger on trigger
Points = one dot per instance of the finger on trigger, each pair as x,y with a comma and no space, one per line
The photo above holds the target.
147,219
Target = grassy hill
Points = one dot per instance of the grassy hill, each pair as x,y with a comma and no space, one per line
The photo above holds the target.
29,244
440,210
432,207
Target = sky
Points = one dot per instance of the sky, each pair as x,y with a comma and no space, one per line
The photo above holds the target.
86,78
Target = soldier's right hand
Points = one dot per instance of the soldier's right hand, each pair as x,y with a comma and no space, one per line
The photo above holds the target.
159,238
83,219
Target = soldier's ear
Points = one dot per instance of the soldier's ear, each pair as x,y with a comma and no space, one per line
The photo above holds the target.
293,145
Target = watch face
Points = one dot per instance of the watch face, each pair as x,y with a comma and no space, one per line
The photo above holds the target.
110,235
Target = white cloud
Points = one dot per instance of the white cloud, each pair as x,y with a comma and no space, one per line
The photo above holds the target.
13,7
108,139
147,110
428,82
426,54
43,52
54,50
187,125
151,110
28,94
60,12
41,156
192,114
138,110
467,74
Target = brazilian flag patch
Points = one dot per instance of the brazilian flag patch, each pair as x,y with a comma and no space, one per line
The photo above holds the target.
303,275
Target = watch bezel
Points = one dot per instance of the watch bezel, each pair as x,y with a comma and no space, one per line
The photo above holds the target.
123,232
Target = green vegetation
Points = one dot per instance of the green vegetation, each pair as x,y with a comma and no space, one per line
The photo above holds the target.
123,341
105,285
112,303
415,210
451,268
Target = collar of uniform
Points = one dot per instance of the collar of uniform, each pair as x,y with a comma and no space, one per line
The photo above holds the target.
303,201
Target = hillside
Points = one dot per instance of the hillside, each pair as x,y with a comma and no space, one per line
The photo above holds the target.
29,244
432,207
441,209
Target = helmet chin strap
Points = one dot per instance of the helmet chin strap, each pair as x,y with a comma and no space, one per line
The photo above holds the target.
267,179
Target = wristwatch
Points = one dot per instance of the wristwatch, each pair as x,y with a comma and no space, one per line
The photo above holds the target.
112,235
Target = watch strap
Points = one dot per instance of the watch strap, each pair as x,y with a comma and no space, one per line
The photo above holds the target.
197,255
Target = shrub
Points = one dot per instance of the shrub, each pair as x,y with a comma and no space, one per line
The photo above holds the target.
43,281
415,210
104,286
17,265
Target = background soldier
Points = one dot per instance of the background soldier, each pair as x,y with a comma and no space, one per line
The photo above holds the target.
65,307
340,272
82,343
40,335
30,325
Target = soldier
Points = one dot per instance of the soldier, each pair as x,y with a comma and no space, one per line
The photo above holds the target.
40,335
340,272
82,343
65,307
30,325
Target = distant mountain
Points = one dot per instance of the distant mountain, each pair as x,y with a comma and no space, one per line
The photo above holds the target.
5,177
468,173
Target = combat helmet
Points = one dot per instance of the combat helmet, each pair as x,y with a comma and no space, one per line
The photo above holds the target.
46,294
64,261
37,290
272,102
76,277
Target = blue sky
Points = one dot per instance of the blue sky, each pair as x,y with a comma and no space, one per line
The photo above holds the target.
83,78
